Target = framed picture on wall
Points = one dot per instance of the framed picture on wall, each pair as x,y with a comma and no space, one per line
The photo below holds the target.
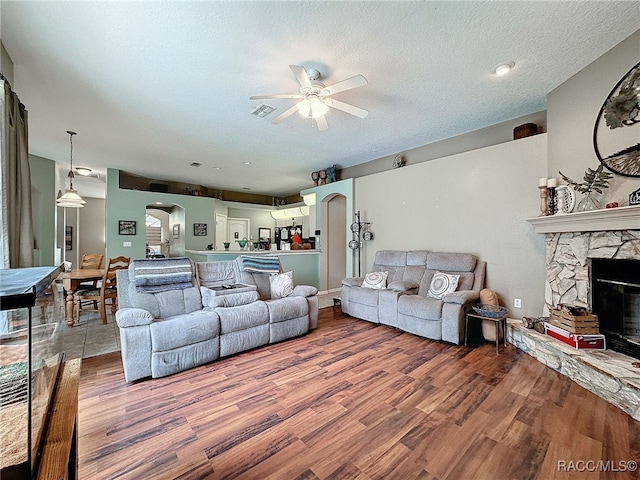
126,227
68,238
264,234
176,230
199,229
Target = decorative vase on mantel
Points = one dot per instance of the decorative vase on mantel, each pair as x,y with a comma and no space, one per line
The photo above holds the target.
591,201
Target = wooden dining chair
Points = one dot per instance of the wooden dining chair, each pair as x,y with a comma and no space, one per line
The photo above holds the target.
91,260
107,290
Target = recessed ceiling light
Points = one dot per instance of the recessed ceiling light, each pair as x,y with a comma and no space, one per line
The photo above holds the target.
246,188
217,168
503,68
158,203
246,163
195,164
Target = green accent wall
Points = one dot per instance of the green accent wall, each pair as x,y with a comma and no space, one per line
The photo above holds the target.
131,205
43,197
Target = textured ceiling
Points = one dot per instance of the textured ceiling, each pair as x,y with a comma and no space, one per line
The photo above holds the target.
151,87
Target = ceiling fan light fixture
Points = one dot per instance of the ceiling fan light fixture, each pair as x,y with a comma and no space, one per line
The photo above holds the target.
312,108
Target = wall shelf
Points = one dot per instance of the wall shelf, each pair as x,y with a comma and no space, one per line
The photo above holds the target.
607,219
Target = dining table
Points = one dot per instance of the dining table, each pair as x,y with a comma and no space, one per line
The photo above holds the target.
71,280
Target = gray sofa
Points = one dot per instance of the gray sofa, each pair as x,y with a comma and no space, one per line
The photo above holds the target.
170,327
404,302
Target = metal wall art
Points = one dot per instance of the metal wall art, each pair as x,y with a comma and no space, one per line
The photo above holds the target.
617,128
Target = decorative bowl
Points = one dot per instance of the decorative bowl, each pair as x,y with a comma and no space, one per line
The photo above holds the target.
491,311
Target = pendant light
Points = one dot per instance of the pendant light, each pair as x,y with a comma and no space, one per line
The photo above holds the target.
70,199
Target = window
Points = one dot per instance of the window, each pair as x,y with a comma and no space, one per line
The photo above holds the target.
153,234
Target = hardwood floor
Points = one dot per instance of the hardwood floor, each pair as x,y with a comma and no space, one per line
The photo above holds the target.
351,400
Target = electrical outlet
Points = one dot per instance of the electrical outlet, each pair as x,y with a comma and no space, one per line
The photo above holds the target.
126,244
517,303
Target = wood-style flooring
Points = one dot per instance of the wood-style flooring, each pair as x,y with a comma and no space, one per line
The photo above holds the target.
352,400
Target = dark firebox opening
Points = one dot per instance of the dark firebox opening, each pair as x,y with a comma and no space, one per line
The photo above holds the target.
615,298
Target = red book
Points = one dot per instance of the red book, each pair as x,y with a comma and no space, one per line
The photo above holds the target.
576,340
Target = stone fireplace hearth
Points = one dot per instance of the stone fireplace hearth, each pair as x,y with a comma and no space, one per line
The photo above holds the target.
572,241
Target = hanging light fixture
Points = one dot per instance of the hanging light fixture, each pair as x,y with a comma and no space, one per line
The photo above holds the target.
70,199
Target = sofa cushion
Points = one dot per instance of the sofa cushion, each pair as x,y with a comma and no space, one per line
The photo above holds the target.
417,306
283,309
451,262
442,284
166,304
181,330
365,296
211,299
402,286
234,319
376,280
213,274
281,284
353,281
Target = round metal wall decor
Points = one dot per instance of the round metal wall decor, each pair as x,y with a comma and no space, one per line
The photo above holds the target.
617,128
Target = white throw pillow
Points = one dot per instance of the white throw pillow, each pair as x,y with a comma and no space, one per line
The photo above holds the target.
443,284
377,280
281,284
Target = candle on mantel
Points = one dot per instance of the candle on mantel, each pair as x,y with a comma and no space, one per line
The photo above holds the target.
552,183
542,182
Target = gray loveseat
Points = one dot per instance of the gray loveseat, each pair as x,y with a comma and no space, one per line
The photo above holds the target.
175,325
405,304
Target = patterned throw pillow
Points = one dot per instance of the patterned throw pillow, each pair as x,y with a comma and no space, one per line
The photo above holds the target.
377,280
443,284
281,284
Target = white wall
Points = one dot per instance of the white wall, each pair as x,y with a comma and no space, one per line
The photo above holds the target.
475,202
92,231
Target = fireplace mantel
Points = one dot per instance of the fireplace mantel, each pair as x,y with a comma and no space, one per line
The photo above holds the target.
607,219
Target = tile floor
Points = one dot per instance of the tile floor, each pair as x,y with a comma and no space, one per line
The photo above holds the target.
90,337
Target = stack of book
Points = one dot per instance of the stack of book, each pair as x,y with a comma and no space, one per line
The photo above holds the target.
575,326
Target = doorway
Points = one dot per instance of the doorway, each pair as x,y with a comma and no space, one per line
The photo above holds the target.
237,229
160,220
221,231
333,264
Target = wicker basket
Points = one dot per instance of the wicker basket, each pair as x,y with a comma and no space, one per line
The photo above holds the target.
490,311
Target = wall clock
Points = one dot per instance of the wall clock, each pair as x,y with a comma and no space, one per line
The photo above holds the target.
617,128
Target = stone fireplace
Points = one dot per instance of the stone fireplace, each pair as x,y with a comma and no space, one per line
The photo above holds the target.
586,254
571,258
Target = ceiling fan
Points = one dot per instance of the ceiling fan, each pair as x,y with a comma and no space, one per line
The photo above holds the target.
316,97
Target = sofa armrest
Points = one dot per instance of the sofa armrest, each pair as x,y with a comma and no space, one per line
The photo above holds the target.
461,297
133,317
304,291
403,286
353,281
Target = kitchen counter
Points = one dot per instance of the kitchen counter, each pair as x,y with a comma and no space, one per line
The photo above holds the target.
304,263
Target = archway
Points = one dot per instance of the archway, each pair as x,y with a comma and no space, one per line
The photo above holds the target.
333,263
160,220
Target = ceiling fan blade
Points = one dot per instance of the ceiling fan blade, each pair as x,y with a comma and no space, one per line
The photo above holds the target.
278,95
321,122
346,107
286,114
301,75
348,84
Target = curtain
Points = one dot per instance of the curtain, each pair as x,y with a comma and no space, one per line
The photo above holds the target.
17,223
